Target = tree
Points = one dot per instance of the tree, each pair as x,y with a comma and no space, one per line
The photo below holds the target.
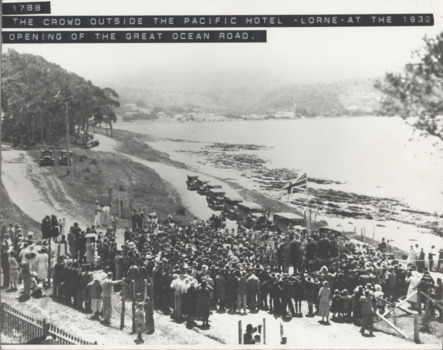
35,93
416,93
107,102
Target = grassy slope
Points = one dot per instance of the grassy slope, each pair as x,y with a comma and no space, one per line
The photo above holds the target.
97,172
12,214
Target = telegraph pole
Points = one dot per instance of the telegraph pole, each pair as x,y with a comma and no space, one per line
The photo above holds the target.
67,140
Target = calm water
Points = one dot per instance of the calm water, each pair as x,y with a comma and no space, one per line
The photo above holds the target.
373,156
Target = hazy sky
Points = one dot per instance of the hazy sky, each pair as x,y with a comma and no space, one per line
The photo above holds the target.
299,54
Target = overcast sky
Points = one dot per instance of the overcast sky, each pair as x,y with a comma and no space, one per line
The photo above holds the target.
299,54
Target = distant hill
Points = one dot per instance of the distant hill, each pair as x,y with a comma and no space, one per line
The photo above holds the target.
236,94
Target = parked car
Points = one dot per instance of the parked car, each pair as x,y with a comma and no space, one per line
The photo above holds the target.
191,182
210,186
283,222
64,158
92,143
201,186
252,215
230,206
214,197
46,158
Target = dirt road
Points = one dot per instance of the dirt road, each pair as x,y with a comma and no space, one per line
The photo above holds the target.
36,190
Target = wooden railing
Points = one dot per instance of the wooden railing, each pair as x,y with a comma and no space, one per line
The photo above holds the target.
14,321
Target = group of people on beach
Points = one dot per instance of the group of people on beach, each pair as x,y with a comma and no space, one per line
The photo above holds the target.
196,268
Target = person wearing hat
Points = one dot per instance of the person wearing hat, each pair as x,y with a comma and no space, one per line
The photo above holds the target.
389,282
26,275
73,235
95,293
242,291
97,211
81,247
107,286
140,321
336,305
14,270
346,300
254,290
220,285
231,290
367,301
286,297
312,286
275,295
324,296
414,280
42,265
203,304
6,249
248,337
177,287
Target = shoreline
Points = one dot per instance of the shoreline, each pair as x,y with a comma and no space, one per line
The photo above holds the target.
401,234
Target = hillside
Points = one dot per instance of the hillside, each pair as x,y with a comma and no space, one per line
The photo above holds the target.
236,94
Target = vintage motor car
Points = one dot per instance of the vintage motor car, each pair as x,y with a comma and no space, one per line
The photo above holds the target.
211,185
252,215
284,222
214,197
336,231
230,206
92,143
46,158
64,158
191,182
201,186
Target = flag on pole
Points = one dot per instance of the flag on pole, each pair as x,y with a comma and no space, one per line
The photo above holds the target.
299,184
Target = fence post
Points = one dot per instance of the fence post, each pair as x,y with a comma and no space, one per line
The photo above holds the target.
239,332
122,315
416,330
264,331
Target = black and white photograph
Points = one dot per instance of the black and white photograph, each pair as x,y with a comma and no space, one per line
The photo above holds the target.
222,174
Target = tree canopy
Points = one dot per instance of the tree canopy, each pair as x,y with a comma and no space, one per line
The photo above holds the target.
37,95
416,93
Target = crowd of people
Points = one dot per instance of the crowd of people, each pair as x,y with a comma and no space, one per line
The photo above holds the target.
199,267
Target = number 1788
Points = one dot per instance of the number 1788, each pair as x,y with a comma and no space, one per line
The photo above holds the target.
26,8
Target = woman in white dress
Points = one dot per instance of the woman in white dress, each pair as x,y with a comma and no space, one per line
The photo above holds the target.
414,281
411,256
89,251
42,265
